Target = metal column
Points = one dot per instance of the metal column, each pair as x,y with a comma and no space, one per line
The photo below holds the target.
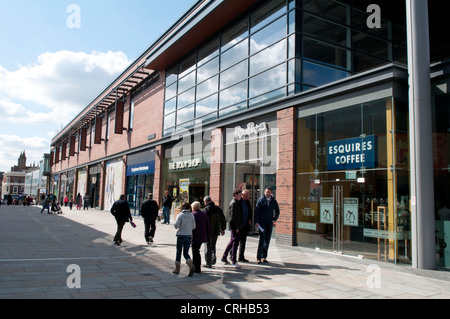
421,152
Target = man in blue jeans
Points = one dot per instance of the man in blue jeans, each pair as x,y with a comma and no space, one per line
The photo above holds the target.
266,216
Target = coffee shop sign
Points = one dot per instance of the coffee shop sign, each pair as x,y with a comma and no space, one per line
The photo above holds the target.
252,129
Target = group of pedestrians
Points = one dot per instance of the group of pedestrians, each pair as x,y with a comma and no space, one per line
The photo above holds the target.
196,227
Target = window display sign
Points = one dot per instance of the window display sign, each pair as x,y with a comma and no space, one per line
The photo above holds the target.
352,153
327,210
351,212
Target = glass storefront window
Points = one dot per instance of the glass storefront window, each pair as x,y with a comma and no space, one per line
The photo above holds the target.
250,158
441,163
352,181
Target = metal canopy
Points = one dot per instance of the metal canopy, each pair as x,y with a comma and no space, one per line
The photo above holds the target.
116,93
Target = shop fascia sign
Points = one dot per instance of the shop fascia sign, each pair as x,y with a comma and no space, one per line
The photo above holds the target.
352,153
252,129
185,164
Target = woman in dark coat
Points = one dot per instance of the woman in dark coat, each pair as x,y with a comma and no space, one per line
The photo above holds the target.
199,235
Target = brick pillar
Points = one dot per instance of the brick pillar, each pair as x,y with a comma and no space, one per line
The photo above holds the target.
157,183
216,165
101,200
285,229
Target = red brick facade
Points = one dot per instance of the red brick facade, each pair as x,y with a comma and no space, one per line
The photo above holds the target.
285,229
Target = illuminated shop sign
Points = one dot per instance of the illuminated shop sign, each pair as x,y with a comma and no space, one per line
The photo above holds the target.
190,163
141,169
352,153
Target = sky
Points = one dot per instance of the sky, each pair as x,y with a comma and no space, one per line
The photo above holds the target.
56,56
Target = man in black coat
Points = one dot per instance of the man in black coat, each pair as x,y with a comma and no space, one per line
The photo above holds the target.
149,211
217,226
121,211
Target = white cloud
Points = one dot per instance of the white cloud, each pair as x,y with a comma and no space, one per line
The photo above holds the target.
13,145
36,99
59,85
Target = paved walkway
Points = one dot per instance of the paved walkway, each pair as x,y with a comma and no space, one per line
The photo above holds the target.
37,250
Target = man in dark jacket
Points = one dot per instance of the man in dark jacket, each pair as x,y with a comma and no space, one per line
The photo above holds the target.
217,225
266,215
247,217
235,225
149,211
166,206
121,211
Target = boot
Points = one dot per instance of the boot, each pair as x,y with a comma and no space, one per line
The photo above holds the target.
190,263
177,267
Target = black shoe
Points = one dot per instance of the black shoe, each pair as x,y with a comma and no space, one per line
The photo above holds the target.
225,261
243,260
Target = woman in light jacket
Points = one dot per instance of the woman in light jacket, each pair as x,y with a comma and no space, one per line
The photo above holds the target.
185,224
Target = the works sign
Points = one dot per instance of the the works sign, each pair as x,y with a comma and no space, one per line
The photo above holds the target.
352,153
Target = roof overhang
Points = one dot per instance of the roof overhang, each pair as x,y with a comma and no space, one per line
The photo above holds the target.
202,22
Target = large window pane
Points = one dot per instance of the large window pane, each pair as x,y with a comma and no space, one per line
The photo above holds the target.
206,106
208,87
364,43
326,53
170,106
233,95
267,13
325,30
268,58
187,65
270,34
208,51
187,82
234,55
234,74
186,98
171,75
268,81
235,34
169,121
208,70
328,9
185,114
171,91
317,75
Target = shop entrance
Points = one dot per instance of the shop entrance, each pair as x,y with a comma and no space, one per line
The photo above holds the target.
249,176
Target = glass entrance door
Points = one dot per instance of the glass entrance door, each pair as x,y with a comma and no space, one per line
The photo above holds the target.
249,176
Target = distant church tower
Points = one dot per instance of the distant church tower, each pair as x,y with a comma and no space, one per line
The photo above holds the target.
22,162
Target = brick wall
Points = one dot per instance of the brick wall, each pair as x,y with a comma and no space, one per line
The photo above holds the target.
285,229
215,184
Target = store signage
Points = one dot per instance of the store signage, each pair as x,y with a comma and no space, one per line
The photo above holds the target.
191,163
352,153
251,129
141,169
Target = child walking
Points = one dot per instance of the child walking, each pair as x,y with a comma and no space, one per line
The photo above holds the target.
185,224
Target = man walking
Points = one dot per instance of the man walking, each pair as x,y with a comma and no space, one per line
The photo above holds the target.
217,225
149,211
121,212
235,225
247,217
166,207
266,216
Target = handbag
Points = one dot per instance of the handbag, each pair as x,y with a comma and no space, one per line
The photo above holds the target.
132,224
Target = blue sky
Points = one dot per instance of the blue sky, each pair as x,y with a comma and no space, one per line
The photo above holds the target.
55,58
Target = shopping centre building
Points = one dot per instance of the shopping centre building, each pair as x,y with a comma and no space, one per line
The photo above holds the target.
308,97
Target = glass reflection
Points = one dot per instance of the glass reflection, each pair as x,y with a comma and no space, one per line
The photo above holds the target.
270,34
206,106
234,74
232,95
266,81
268,58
